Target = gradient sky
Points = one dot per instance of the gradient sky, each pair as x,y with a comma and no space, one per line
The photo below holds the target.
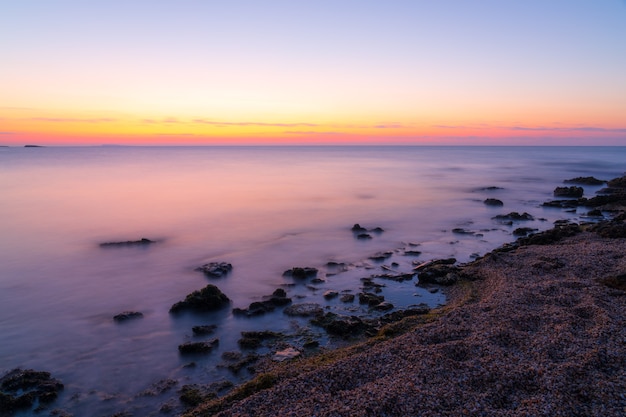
547,72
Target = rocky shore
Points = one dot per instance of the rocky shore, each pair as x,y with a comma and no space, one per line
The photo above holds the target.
535,328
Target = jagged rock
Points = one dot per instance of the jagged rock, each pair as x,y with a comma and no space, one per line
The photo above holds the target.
278,298
461,231
370,299
357,228
412,253
440,272
252,340
127,315
585,181
573,192
330,294
555,234
514,216
523,231
343,326
140,242
304,310
384,306
20,389
207,299
197,347
347,298
215,269
204,330
493,202
364,236
381,256
301,272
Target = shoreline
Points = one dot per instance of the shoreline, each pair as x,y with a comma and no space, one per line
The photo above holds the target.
534,328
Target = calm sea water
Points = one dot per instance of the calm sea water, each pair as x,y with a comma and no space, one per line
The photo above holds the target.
264,210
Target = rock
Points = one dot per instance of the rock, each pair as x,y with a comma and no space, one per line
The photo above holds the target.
347,298
491,188
207,299
460,231
204,330
523,231
140,242
412,253
440,272
127,315
364,236
193,395
384,306
278,298
197,347
493,202
253,340
381,256
572,192
368,284
343,326
617,182
585,181
215,269
555,234
514,216
21,389
595,213
357,228
370,299
330,294
285,354
301,272
304,310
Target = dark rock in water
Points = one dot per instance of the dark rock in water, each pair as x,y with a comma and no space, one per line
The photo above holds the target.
192,395
491,188
381,256
364,236
21,389
339,325
278,298
523,231
141,242
564,204
330,294
357,228
207,299
397,277
204,330
300,272
197,347
493,202
127,315
412,253
370,299
384,306
304,310
215,269
612,230
595,213
617,182
253,340
369,284
33,146
572,192
560,231
440,272
514,216
460,231
585,181
377,230
347,298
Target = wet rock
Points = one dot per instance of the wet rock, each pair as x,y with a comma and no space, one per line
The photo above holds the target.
344,326
585,181
158,388
523,231
409,312
381,256
21,389
207,299
611,230
192,394
140,242
347,298
595,213
384,306
278,298
563,204
364,236
493,202
490,188
127,315
571,192
204,330
370,299
197,347
330,294
286,354
560,231
397,277
514,216
619,182
304,310
357,228
412,253
253,340
461,231
369,284
215,269
440,272
237,361
301,272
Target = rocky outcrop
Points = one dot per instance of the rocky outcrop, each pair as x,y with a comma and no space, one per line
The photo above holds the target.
569,192
21,389
278,298
301,272
513,216
493,202
585,181
207,299
197,347
215,269
304,310
127,315
439,272
141,242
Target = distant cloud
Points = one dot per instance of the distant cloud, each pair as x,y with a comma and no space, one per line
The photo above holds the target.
7,133
175,134
311,132
539,128
71,120
256,124
393,125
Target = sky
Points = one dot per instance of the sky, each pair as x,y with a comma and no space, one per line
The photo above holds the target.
423,72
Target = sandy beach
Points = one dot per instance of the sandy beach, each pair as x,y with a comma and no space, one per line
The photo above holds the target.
536,329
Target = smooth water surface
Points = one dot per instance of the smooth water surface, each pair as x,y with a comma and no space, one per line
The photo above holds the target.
264,210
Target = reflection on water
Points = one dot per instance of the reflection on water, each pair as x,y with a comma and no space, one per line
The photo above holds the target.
264,210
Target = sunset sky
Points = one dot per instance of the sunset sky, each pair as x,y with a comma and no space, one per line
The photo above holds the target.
194,72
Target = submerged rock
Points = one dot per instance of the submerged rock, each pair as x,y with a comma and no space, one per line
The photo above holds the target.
370,299
278,298
253,340
127,315
207,299
304,310
585,181
493,202
204,330
20,389
215,269
141,242
198,347
514,216
572,192
301,272
343,326
440,272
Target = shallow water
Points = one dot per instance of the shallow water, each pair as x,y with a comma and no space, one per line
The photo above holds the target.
264,210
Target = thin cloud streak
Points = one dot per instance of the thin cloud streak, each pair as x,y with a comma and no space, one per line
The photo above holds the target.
71,120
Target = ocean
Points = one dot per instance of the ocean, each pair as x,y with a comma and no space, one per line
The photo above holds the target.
262,209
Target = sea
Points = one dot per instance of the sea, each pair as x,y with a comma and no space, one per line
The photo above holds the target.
264,210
